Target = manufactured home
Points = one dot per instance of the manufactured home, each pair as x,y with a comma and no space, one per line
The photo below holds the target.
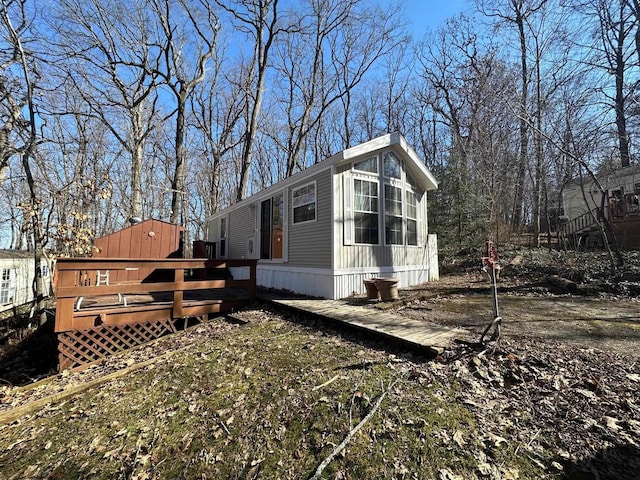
359,214
17,274
619,193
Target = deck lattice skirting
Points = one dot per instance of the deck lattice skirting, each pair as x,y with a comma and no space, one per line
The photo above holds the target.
101,325
79,347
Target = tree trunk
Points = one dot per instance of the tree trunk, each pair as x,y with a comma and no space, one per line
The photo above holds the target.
621,119
518,204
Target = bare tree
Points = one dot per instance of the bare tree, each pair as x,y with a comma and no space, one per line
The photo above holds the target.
115,71
374,34
26,74
182,73
516,13
617,23
217,118
261,21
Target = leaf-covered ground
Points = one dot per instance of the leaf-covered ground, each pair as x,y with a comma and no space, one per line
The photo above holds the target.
273,398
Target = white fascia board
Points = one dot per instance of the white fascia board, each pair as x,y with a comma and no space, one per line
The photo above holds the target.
416,166
424,177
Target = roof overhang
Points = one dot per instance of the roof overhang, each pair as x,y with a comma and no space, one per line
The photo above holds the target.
416,167
399,144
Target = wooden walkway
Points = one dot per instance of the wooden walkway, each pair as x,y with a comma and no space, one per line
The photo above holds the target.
418,334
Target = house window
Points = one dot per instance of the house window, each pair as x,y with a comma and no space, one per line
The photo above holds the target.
397,214
412,218
7,290
223,237
391,165
365,211
272,228
369,165
392,215
304,203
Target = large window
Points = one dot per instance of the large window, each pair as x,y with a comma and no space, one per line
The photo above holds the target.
365,211
392,215
304,203
272,228
380,195
7,290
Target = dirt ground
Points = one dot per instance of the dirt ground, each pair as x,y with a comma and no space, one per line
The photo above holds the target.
529,310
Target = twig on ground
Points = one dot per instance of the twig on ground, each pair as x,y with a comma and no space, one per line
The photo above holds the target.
353,431
328,382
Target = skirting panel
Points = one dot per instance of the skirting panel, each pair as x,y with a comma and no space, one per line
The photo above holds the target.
315,283
79,347
351,283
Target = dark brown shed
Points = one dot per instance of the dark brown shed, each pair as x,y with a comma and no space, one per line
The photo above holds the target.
151,238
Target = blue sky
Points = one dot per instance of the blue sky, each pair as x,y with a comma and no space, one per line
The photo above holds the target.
424,14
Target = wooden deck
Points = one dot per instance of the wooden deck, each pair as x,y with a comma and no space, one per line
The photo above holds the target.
97,316
417,334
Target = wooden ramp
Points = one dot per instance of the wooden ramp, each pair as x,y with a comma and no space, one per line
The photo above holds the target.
414,333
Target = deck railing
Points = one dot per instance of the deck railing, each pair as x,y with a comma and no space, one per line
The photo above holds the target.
85,277
583,222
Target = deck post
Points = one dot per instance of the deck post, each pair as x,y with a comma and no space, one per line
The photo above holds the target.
178,294
64,306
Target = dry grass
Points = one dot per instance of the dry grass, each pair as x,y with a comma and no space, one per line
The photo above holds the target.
252,404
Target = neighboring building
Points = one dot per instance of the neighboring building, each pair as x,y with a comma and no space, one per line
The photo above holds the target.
621,206
361,213
17,273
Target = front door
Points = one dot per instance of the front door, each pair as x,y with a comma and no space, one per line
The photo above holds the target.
272,228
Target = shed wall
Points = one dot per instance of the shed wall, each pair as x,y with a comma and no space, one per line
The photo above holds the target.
149,239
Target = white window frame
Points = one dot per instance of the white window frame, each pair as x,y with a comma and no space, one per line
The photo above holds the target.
406,187
314,203
397,185
384,175
376,160
7,285
371,179
409,191
223,236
